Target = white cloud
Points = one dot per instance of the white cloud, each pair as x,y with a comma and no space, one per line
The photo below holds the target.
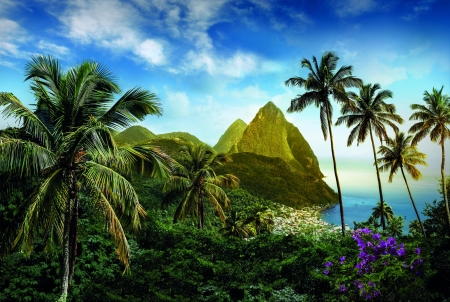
346,8
53,48
378,71
111,24
151,51
12,36
238,65
176,104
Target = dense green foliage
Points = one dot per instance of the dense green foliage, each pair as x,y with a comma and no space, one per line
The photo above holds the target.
286,186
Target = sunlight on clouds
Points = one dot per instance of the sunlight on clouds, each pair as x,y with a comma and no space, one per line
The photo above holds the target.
151,51
12,35
250,93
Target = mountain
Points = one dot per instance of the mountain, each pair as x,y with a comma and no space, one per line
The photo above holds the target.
231,136
185,136
270,134
134,135
273,179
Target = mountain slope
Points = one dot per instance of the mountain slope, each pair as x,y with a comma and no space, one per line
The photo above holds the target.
182,136
231,136
272,179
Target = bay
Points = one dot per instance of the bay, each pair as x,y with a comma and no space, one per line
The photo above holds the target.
359,188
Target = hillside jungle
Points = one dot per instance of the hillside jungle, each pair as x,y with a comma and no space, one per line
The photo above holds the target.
92,209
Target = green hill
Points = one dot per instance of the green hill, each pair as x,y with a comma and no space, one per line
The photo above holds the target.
270,134
134,135
231,136
271,178
185,136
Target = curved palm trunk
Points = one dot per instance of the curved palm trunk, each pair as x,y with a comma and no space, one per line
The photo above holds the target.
383,222
413,203
444,187
341,204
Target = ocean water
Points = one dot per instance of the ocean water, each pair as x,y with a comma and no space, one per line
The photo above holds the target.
360,192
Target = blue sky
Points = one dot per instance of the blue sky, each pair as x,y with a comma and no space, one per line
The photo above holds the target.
212,62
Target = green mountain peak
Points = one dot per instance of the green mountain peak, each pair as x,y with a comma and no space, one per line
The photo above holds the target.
270,134
231,136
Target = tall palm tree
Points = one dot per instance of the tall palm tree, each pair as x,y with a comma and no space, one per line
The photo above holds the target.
382,210
194,180
369,113
399,153
71,150
324,80
434,119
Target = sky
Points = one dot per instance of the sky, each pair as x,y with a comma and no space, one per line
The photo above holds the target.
211,62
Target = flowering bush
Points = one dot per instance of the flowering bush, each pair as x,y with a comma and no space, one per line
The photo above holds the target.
383,269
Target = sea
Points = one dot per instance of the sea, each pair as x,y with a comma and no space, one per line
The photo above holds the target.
360,193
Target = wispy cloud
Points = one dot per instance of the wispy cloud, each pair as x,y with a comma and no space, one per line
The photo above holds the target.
237,65
352,8
48,47
419,8
176,104
12,37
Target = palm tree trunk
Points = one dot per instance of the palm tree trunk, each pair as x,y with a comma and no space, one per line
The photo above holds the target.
444,187
200,208
413,203
73,235
341,204
66,253
383,222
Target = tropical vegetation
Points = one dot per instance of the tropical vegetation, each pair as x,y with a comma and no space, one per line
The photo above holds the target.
369,114
324,80
399,153
68,150
434,120
70,182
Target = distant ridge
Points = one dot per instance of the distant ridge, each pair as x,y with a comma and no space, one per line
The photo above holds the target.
181,135
134,135
271,135
231,136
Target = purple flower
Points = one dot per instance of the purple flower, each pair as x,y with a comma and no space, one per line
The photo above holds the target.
401,252
326,272
342,288
329,264
342,259
418,251
376,236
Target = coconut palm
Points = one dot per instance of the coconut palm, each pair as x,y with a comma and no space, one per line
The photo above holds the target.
369,114
262,217
71,150
399,153
194,180
434,119
324,80
384,210
235,226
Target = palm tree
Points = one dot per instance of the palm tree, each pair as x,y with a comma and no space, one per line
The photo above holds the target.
262,217
384,210
434,119
322,81
71,150
195,179
369,113
235,226
399,153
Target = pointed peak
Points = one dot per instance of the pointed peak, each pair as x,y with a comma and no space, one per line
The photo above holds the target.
239,122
